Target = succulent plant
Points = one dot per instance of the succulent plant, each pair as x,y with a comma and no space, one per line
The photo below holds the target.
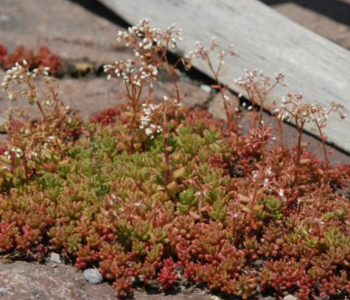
164,195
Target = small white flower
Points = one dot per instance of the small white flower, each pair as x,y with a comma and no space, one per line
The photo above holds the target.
281,193
266,181
148,131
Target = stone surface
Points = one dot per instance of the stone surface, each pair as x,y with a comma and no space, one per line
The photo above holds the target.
33,281
194,96
21,280
320,24
67,28
216,105
329,19
93,276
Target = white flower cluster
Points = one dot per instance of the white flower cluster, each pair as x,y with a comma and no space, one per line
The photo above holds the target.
21,74
17,152
132,72
14,151
149,44
306,112
255,78
143,37
202,52
150,129
205,54
199,52
32,154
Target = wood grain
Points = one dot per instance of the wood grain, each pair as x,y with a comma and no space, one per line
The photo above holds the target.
264,39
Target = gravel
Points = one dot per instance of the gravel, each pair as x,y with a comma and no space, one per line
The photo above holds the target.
93,276
55,258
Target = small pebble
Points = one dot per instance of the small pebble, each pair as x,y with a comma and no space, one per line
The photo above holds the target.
180,289
93,276
206,88
55,258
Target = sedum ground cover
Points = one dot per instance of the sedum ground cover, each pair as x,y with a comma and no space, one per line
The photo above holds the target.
155,194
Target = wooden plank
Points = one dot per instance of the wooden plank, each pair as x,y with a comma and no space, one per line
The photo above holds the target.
264,39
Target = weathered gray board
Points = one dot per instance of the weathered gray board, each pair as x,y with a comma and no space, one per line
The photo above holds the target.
314,66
